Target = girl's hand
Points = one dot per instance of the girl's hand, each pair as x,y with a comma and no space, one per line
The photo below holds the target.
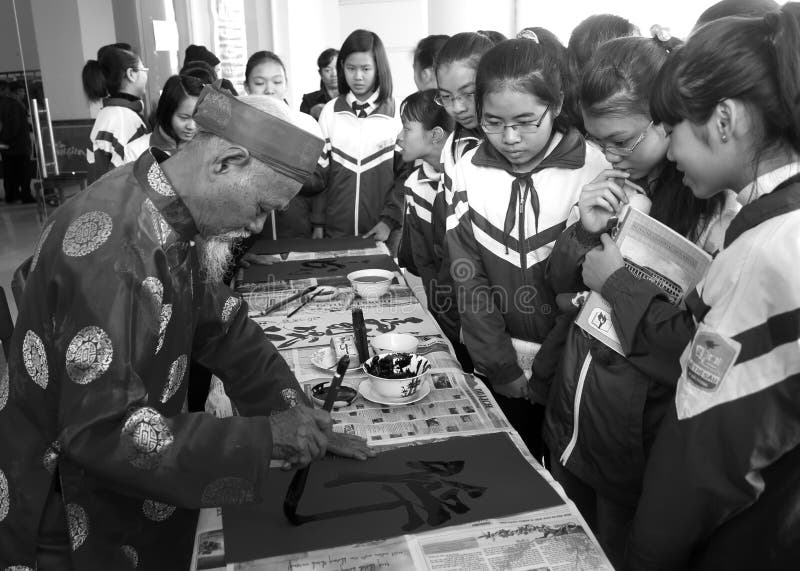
602,199
380,232
318,233
516,389
600,263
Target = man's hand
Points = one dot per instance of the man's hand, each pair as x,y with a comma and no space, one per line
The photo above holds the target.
349,446
318,233
516,389
256,259
299,435
380,232
600,263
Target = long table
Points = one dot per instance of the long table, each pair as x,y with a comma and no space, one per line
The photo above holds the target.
458,406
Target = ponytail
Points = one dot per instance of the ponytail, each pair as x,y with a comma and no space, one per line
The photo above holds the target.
104,76
785,28
753,60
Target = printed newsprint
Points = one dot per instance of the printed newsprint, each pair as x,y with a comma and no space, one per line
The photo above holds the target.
652,252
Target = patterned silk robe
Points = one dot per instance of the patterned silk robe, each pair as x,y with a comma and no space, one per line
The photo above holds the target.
114,311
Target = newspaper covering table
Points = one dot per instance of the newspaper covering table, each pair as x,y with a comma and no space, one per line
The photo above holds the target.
458,405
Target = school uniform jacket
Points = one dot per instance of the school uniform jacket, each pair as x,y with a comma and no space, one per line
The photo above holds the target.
500,234
604,410
721,488
117,124
422,188
443,301
357,170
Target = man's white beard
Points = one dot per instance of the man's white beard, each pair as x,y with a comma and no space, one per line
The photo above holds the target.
216,254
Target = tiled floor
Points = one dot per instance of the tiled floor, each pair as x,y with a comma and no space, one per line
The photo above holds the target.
19,231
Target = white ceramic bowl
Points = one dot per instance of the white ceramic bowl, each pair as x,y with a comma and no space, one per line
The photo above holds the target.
395,343
371,284
398,389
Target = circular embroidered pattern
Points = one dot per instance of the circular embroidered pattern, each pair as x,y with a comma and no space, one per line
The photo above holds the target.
39,244
18,568
3,386
131,555
166,314
176,372
51,455
290,397
35,359
227,491
146,438
5,500
87,233
230,308
158,181
89,355
155,291
156,511
78,523
161,226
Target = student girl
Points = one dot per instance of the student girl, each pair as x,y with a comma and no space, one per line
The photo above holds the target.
511,198
424,57
455,67
359,164
721,487
604,409
265,74
426,128
118,78
174,123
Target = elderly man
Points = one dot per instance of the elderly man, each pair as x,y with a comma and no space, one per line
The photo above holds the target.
124,290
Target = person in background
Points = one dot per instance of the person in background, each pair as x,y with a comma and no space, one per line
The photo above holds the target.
424,58
195,53
721,488
15,146
604,410
455,66
106,470
119,78
426,128
313,102
174,125
587,36
746,8
265,74
360,172
511,199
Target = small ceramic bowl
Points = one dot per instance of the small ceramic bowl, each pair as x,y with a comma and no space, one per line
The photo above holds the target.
409,371
344,395
395,343
371,284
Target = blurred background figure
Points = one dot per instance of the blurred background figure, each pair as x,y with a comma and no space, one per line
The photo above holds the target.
328,84
424,58
15,146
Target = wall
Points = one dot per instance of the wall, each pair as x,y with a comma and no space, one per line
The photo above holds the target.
10,59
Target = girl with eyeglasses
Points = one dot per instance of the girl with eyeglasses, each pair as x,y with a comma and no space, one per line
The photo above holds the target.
604,409
118,78
511,199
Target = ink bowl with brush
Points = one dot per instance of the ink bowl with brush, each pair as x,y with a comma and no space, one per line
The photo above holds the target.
344,395
396,378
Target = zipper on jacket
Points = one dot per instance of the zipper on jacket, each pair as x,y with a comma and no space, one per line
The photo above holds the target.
523,257
576,409
358,171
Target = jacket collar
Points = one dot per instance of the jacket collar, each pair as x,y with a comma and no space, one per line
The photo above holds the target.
344,105
783,199
161,193
567,151
124,100
162,141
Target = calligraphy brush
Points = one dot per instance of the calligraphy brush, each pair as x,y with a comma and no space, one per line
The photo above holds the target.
288,300
305,301
298,483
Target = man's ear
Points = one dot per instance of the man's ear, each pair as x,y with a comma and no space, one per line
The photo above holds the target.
230,157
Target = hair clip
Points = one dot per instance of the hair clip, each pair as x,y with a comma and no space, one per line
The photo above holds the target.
528,35
660,33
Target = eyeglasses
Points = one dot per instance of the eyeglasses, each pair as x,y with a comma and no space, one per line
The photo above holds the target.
621,151
498,127
142,69
449,100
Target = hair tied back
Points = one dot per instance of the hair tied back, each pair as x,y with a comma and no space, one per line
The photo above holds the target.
662,35
528,35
